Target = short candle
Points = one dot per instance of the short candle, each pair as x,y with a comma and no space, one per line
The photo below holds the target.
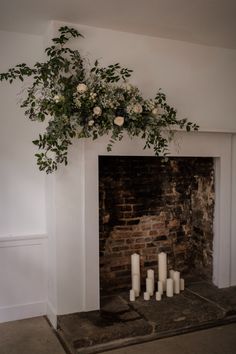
131,295
146,296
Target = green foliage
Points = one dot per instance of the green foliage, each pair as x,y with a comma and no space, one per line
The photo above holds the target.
82,103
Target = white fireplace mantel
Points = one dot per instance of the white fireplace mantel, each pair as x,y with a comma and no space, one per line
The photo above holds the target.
73,216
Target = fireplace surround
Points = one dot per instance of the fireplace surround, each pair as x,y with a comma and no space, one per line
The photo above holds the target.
73,217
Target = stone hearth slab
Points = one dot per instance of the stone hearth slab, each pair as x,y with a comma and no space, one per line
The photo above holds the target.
88,329
183,311
224,298
121,322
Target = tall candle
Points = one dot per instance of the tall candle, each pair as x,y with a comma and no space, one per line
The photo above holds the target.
136,284
135,263
150,273
171,273
149,286
169,287
160,287
162,268
176,282
135,273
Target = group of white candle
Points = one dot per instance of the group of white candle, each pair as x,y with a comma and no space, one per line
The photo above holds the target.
172,285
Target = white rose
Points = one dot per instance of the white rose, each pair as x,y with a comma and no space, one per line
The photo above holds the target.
91,122
97,111
119,121
81,88
155,111
137,108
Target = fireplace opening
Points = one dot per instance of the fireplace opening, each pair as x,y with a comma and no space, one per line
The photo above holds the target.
148,205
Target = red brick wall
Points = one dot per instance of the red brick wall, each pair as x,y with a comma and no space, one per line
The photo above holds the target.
148,205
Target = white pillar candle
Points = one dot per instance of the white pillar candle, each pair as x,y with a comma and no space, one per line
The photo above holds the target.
171,274
150,273
146,296
136,284
149,286
135,273
158,296
176,282
162,268
160,287
131,295
135,263
181,284
169,287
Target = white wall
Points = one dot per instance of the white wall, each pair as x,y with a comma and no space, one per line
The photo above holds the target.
22,202
200,81
23,247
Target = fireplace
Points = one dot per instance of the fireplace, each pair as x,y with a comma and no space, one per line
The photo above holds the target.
149,205
73,216
213,145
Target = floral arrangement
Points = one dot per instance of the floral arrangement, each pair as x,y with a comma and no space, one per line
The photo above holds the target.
81,101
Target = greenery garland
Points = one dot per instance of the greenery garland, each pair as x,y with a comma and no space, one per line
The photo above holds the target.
81,102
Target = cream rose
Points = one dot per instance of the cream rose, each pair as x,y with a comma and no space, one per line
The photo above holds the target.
119,121
137,108
97,111
155,111
81,88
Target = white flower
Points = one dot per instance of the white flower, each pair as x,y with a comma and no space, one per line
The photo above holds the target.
77,103
119,121
81,88
93,95
91,122
58,98
137,108
155,111
97,111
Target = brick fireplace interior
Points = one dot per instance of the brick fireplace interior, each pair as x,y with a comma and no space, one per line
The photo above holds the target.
148,205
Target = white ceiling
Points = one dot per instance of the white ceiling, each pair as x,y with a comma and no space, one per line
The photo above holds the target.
210,22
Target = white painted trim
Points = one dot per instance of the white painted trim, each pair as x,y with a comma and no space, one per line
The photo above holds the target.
12,238
17,312
51,315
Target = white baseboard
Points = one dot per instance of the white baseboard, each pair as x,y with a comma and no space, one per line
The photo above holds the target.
19,312
51,315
